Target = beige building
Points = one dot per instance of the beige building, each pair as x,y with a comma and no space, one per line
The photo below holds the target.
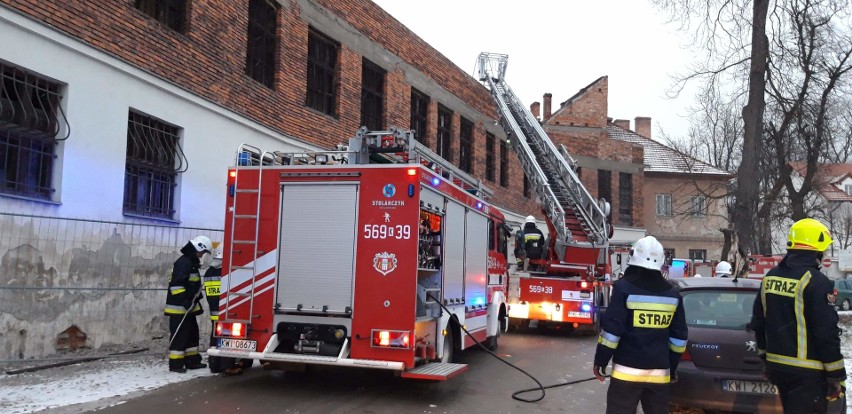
685,199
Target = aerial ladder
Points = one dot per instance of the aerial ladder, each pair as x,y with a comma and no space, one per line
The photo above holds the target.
579,231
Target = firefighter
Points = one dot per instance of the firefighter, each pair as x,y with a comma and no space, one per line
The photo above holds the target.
212,283
183,305
795,324
533,242
723,269
644,332
520,254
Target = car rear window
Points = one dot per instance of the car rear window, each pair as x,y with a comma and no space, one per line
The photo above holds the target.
721,309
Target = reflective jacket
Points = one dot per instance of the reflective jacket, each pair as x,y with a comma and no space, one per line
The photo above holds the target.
533,241
212,285
184,284
794,319
644,329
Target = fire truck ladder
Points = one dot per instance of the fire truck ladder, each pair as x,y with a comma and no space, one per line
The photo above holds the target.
247,156
577,217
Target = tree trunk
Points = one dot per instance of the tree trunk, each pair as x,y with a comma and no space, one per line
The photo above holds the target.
726,246
747,187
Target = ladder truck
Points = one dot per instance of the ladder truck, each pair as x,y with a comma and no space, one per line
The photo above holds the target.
572,287
380,255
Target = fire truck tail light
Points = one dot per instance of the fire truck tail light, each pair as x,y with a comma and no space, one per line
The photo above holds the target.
237,329
232,173
228,329
391,339
412,171
584,285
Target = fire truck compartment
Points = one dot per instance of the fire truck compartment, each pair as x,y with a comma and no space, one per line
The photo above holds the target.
317,247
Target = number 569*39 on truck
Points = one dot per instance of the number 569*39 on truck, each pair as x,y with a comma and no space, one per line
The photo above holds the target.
379,255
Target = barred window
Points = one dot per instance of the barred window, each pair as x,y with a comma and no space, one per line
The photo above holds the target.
504,163
605,184
466,145
31,120
322,73
490,153
154,160
260,53
664,205
698,254
171,13
445,129
372,95
625,199
419,115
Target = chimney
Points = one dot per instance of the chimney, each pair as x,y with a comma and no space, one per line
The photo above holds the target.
534,108
547,97
622,123
643,126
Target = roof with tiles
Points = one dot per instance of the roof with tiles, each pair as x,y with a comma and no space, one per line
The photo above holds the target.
662,159
827,179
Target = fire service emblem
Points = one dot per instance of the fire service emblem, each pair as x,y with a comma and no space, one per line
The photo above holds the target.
384,262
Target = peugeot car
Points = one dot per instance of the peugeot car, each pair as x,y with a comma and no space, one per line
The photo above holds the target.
720,369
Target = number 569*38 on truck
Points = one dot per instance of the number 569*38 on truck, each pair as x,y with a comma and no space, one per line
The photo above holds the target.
375,256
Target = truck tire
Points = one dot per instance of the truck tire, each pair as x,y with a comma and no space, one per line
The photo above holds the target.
449,346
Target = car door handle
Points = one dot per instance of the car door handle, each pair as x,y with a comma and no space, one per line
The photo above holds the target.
752,360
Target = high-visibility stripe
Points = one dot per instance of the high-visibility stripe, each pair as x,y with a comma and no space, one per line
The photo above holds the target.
195,277
176,354
647,302
191,351
834,366
214,317
801,323
656,376
174,310
176,290
795,362
610,337
606,342
208,279
677,345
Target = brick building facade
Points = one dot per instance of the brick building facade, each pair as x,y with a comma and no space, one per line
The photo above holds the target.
81,217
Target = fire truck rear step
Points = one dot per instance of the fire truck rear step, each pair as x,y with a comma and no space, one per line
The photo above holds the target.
438,371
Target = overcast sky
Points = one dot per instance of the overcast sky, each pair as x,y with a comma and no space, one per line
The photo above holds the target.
560,46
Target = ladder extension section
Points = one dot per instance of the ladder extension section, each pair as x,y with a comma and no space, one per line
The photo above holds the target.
577,217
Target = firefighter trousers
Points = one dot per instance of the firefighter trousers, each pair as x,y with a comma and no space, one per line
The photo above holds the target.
623,397
183,351
801,393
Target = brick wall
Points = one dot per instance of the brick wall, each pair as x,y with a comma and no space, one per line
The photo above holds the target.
208,59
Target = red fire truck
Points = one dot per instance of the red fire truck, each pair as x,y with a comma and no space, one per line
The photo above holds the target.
571,284
379,255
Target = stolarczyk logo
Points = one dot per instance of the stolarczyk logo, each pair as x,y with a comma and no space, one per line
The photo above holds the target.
389,190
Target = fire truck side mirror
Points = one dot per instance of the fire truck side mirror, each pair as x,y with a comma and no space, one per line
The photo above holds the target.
618,258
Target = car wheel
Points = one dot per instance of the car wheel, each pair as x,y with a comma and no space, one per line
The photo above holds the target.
846,305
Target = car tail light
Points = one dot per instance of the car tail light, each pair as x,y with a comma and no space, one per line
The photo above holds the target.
231,330
390,339
686,356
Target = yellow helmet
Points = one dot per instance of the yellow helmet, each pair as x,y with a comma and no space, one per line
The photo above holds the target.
808,234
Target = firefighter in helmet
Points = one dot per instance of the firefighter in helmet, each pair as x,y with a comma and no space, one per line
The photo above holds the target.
643,332
795,324
533,242
212,284
723,269
183,305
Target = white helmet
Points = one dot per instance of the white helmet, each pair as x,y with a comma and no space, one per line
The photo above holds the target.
697,275
202,244
647,252
723,268
530,219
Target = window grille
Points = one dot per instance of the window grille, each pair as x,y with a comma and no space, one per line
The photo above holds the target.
260,54
322,73
445,129
625,199
466,145
171,13
490,154
154,159
664,205
504,164
698,254
31,122
372,95
419,115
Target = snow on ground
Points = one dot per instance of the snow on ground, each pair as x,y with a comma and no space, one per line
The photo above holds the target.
91,385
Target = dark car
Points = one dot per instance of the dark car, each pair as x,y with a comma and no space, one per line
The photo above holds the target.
844,294
720,369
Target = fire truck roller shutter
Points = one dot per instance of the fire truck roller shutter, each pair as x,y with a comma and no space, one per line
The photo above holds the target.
310,279
476,260
453,237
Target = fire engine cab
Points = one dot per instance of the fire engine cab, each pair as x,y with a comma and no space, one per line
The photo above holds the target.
571,283
378,255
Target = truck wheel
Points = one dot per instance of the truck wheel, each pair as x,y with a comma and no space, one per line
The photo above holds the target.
447,355
246,363
215,364
503,322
